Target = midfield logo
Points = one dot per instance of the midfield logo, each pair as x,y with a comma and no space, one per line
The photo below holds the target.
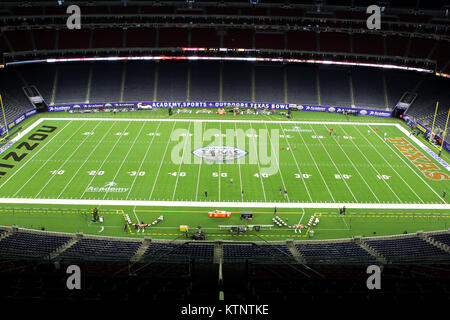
219,153
109,187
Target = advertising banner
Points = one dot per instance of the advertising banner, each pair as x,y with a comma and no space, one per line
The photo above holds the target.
18,120
216,104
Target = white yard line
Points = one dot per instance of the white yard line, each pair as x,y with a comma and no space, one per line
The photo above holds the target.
34,155
162,161
106,158
188,137
221,144
342,178
200,166
425,148
301,218
125,158
346,225
350,160
405,162
67,160
20,135
43,165
296,163
259,167
85,160
278,164
376,171
399,175
143,159
209,205
134,211
239,166
315,163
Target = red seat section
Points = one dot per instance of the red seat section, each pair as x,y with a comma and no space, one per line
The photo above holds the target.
141,37
173,37
107,38
334,42
205,38
269,40
302,40
238,38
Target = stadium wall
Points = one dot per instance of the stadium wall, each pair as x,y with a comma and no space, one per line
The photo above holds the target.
16,121
216,104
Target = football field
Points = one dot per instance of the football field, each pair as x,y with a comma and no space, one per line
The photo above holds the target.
195,161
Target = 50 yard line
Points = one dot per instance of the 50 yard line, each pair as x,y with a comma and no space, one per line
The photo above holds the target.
239,164
200,166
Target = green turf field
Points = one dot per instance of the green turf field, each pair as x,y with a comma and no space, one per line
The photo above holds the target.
152,165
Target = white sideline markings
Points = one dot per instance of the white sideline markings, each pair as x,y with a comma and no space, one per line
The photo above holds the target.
20,136
425,148
213,204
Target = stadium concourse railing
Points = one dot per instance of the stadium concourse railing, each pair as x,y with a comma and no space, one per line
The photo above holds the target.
266,246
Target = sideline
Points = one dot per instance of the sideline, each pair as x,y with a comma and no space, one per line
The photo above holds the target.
218,205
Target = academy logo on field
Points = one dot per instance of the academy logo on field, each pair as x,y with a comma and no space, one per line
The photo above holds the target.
219,153
109,187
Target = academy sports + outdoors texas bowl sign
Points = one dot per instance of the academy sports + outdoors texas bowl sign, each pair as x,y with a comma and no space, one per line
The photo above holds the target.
216,104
